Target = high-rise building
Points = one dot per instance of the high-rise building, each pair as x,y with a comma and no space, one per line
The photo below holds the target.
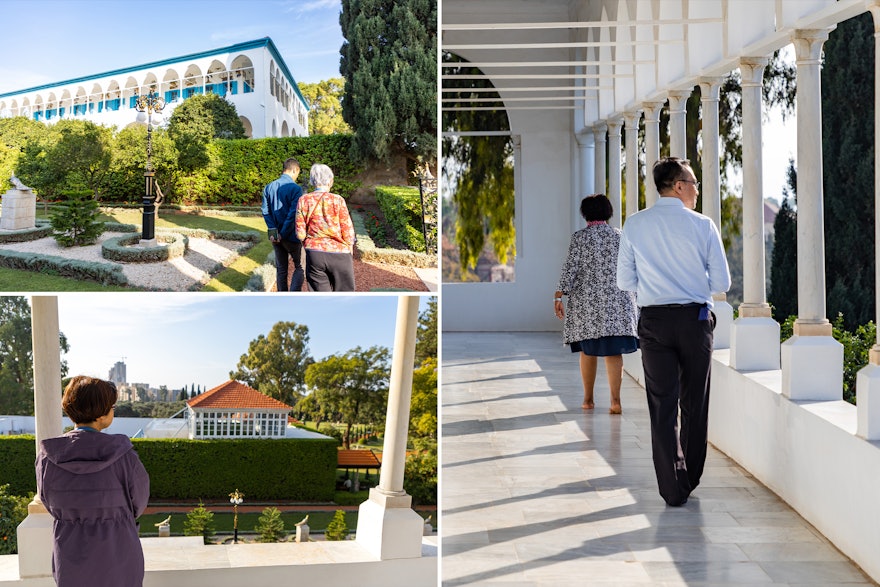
117,373
252,76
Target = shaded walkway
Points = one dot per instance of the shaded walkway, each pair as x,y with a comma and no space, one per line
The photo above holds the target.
535,491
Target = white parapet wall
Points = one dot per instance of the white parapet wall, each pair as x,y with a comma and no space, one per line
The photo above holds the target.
806,452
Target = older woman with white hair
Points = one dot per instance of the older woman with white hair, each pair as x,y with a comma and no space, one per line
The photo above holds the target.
324,227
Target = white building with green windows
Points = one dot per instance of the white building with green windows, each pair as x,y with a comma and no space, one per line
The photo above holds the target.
253,76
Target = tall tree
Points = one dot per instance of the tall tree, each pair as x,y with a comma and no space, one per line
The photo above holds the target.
423,408
276,364
125,180
848,167
354,385
17,358
82,154
198,120
325,106
389,62
14,135
426,340
783,270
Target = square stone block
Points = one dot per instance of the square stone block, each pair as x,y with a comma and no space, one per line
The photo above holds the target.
19,210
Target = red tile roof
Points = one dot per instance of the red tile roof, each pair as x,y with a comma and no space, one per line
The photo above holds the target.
235,395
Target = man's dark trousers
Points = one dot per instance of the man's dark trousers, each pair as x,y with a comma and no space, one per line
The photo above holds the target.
283,251
676,344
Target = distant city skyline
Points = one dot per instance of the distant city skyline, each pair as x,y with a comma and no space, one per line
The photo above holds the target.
180,339
50,41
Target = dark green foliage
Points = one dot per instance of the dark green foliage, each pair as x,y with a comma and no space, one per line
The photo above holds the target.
328,429
126,409
198,120
337,529
402,207
848,167
301,470
13,511
426,344
420,478
19,455
368,251
199,522
122,248
42,229
124,181
783,271
270,526
275,364
389,62
105,273
16,365
325,106
75,222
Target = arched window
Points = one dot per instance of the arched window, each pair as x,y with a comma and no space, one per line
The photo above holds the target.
193,81
216,81
242,71
170,88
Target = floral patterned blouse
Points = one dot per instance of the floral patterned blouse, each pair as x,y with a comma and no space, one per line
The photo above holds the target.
323,223
596,307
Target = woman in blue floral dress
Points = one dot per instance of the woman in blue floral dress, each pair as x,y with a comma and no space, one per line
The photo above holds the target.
599,320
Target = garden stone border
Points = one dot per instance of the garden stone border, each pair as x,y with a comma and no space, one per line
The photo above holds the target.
42,229
120,248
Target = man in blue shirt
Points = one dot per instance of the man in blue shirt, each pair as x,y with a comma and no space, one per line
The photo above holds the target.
673,258
279,211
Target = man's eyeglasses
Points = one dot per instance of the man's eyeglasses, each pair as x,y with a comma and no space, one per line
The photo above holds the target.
696,183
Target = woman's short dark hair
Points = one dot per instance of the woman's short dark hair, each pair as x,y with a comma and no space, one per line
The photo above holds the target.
86,399
596,207
668,170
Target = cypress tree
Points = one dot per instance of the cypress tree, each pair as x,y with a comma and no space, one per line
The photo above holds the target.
848,166
783,269
389,62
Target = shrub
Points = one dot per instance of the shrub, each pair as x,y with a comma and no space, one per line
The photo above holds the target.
328,429
76,222
402,207
199,522
105,273
42,229
13,511
270,526
368,251
420,478
121,248
337,529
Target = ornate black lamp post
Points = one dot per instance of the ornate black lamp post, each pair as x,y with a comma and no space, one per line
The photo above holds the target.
150,103
235,498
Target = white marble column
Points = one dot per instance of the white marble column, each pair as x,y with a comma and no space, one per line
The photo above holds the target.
614,171
387,525
812,361
678,123
599,130
868,378
586,171
711,192
652,148
754,336
35,532
631,126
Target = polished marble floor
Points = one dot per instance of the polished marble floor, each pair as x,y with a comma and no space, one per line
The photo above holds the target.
537,492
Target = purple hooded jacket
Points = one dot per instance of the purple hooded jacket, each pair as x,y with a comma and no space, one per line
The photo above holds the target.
94,486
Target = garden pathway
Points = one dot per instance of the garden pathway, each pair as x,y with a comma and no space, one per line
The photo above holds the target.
537,492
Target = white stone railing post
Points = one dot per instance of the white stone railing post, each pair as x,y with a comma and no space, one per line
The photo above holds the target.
868,378
812,361
586,167
614,171
652,148
387,526
631,126
754,336
678,123
599,130
710,191
35,532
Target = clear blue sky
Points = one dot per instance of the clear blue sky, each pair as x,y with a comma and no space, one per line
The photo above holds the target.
46,41
179,339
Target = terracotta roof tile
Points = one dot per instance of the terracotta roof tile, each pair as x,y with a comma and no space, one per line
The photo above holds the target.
235,395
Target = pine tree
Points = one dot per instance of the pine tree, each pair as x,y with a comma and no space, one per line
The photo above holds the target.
337,529
270,526
75,223
199,522
389,62
783,270
848,167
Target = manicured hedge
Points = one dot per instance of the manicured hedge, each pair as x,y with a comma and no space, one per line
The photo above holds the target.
41,229
121,248
294,469
243,167
402,208
104,273
368,251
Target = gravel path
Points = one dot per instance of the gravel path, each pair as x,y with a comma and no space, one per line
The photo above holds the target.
175,275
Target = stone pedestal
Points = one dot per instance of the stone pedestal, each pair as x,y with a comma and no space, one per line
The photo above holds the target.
388,528
723,323
35,543
868,402
302,533
19,210
754,344
165,531
812,368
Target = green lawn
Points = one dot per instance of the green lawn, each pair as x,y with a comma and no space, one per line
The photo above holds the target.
18,280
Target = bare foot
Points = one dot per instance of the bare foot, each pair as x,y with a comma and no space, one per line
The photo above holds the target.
587,405
615,409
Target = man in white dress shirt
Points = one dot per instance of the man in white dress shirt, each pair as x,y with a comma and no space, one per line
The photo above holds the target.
673,258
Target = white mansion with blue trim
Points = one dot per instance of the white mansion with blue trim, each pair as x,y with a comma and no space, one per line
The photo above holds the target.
251,75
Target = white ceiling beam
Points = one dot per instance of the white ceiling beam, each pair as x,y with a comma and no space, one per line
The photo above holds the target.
529,89
484,64
554,45
540,76
521,99
493,108
516,26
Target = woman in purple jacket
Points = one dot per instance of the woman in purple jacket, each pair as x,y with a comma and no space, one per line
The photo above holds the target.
95,487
